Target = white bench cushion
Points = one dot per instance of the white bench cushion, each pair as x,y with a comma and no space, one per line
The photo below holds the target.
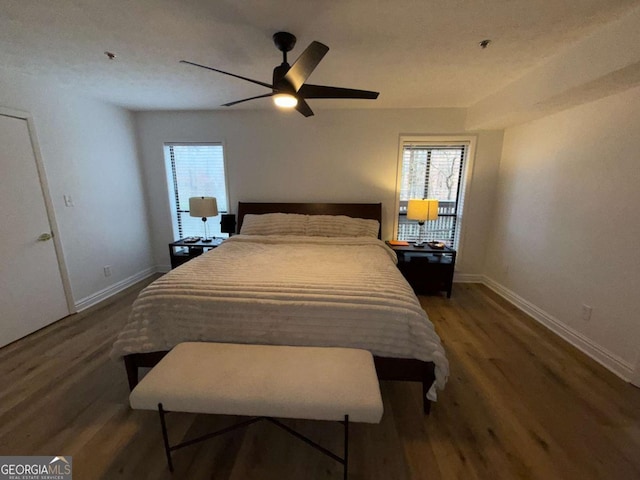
264,380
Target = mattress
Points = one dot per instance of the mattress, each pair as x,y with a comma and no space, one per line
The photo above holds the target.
287,290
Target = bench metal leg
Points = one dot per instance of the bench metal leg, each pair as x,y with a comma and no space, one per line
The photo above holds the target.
346,446
168,448
165,437
342,460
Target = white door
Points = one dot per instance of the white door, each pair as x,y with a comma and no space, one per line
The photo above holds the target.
31,289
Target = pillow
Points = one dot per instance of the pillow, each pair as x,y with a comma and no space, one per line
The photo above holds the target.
274,224
341,226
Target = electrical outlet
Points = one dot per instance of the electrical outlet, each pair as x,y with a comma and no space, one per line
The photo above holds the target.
107,270
586,312
68,201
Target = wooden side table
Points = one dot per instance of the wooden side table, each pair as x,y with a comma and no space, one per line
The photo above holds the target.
181,251
427,269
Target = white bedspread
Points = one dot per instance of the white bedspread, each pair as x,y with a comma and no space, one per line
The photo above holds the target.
286,290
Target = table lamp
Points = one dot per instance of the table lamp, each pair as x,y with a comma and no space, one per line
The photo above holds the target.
203,207
421,211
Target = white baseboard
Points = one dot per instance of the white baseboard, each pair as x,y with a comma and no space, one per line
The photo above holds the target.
468,278
105,293
600,354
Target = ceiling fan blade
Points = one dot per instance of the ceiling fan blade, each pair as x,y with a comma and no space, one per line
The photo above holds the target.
323,91
305,64
247,99
304,108
257,82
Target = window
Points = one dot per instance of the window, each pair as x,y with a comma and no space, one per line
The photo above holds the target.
433,169
195,170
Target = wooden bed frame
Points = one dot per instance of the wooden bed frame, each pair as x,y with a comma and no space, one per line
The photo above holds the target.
388,368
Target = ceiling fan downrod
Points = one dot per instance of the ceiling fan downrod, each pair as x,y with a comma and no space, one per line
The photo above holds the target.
284,42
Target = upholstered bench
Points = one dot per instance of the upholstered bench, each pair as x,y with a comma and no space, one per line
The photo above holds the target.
263,381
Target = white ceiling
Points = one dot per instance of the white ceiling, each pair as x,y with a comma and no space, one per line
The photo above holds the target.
417,53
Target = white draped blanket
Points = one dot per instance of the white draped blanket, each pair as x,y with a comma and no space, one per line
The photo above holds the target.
287,290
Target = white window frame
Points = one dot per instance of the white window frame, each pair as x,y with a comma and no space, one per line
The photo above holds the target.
170,186
467,175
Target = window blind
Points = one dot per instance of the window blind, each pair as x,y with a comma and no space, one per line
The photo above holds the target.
195,170
432,171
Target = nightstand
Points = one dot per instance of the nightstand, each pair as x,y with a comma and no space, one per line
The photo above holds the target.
427,269
181,251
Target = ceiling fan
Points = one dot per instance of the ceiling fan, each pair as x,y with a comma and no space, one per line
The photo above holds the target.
289,89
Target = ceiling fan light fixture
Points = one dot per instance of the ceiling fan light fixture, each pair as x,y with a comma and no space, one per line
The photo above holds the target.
285,100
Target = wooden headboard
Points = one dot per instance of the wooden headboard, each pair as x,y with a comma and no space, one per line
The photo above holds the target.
371,211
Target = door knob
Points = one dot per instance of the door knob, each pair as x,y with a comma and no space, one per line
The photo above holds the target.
44,237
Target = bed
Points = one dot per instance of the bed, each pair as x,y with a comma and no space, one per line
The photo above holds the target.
298,274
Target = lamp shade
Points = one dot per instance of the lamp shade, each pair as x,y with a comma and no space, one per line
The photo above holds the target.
203,207
422,210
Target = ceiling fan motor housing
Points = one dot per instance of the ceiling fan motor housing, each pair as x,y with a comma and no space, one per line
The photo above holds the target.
279,83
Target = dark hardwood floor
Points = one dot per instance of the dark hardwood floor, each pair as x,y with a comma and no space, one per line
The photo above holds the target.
520,403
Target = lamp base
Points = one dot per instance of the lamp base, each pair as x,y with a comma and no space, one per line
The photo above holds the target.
418,245
206,238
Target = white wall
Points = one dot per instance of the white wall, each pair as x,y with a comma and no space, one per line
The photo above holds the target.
567,225
89,152
335,156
